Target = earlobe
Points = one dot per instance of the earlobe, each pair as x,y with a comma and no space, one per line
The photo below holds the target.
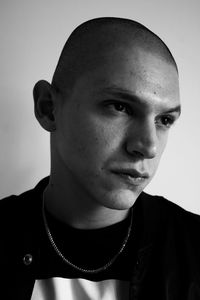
44,105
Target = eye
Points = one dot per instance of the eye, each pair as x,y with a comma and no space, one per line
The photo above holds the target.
121,107
165,121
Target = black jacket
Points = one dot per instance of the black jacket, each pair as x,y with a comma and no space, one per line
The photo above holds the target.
168,264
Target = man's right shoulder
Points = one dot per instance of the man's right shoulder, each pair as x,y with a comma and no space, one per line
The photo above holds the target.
15,208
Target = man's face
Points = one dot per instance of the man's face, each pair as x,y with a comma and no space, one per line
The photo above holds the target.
113,129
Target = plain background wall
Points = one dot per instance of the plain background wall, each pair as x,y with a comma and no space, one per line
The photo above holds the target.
32,36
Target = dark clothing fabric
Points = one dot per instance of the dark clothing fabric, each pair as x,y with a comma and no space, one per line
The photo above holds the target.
167,241
88,249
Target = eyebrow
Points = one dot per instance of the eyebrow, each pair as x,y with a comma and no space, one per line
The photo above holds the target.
125,95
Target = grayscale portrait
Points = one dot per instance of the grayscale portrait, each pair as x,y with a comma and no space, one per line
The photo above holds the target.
100,151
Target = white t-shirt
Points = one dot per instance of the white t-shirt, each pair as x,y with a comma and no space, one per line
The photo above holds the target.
80,289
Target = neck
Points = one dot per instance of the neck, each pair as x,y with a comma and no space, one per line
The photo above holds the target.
68,205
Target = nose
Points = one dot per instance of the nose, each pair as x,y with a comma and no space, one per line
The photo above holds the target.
142,140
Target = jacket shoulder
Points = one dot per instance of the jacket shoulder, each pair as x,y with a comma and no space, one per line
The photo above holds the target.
15,206
170,209
20,215
12,207
175,224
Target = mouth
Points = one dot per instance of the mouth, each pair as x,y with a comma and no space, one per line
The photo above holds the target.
132,176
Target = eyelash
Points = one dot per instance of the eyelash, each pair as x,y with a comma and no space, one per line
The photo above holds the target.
169,121
125,107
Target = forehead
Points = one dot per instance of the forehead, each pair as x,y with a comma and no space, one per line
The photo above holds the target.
137,71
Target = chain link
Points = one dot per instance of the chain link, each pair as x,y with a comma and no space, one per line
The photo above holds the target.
89,271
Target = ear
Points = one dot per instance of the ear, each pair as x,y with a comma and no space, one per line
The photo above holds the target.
44,105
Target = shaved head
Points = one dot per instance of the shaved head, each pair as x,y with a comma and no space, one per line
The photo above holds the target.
90,43
113,97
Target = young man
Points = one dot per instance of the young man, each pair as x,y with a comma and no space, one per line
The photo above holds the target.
89,231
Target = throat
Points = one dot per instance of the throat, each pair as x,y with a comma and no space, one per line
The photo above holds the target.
79,215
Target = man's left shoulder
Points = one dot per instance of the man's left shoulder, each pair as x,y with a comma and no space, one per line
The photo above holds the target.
170,209
180,216
174,219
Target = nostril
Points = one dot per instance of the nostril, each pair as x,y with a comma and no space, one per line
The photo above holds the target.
138,153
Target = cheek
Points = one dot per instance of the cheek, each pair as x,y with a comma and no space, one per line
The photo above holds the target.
162,138
89,139
162,142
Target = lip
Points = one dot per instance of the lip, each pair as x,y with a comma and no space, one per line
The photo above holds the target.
133,176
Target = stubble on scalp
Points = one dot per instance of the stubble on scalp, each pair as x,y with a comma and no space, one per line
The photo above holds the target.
89,44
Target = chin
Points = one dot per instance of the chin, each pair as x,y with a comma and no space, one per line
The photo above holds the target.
122,199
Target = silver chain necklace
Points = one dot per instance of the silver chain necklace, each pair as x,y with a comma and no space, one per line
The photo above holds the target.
89,271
